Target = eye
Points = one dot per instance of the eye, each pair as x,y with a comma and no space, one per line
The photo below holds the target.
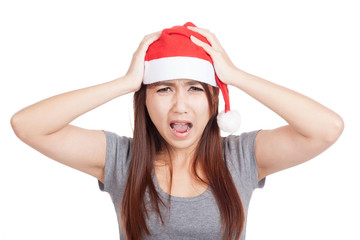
197,89
166,89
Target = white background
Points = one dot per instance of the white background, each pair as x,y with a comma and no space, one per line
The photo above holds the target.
50,47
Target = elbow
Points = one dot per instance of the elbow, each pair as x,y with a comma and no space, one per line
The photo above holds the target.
17,124
335,130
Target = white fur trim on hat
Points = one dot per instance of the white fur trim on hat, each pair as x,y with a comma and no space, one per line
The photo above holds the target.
169,68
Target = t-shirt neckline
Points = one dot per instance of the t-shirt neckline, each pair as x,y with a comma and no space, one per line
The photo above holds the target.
166,196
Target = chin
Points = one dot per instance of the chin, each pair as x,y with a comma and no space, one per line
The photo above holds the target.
183,144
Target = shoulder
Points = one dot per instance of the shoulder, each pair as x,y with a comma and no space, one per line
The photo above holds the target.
239,154
118,151
114,136
118,158
114,141
240,144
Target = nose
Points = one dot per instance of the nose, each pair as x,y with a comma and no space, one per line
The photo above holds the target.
180,102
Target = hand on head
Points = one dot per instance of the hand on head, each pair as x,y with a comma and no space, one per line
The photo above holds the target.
224,67
135,72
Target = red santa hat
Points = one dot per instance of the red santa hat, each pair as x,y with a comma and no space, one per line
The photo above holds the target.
175,56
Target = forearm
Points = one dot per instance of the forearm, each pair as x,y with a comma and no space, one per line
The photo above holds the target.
52,114
304,115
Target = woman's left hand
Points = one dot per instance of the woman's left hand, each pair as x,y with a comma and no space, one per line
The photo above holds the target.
311,127
224,68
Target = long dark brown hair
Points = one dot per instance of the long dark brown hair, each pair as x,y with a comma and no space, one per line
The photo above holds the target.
147,142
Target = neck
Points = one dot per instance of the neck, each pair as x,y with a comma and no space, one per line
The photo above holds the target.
181,158
181,163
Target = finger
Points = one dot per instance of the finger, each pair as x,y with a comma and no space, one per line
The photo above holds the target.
154,36
145,43
209,36
149,39
200,43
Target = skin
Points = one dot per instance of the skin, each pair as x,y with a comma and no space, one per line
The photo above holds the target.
311,128
54,136
46,127
180,100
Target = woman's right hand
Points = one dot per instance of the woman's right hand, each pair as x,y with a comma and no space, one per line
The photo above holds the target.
45,125
135,72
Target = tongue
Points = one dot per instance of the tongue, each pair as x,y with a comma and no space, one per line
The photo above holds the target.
180,127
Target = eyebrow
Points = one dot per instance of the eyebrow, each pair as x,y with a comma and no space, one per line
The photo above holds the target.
170,84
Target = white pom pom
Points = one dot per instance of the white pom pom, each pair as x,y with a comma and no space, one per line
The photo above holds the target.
230,121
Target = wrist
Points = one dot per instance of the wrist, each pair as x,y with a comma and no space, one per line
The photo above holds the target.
234,76
124,85
239,78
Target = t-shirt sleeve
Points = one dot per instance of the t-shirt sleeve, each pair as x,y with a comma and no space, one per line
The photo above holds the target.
118,156
241,151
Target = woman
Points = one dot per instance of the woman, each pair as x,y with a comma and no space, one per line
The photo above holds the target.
177,178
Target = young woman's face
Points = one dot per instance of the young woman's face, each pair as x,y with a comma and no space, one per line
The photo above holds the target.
179,110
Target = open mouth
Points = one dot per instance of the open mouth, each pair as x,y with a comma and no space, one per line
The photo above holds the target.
181,127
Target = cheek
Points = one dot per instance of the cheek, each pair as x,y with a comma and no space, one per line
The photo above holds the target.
156,110
203,107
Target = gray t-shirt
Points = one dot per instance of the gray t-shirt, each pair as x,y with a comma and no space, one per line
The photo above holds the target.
189,218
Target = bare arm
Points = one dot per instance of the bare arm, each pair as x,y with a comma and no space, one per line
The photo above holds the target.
45,125
311,128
